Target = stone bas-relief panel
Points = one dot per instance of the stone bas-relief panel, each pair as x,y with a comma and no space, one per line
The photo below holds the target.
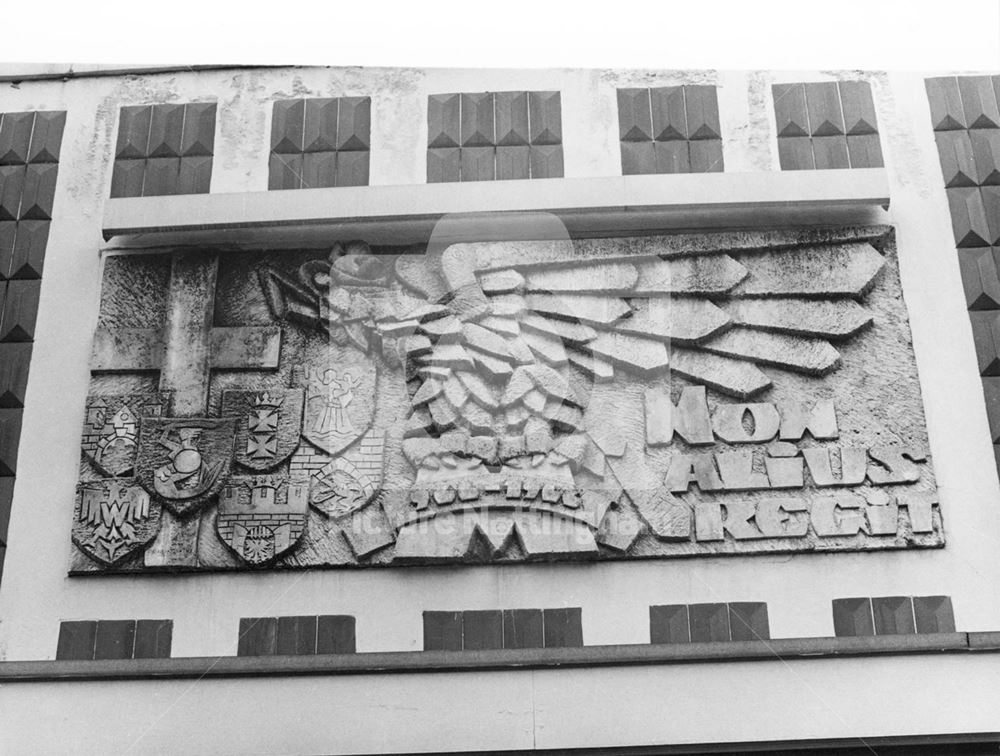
647,397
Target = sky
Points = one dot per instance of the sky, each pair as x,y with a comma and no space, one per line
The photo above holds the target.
952,35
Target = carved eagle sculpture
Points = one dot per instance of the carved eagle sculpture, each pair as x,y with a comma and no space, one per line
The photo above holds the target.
500,340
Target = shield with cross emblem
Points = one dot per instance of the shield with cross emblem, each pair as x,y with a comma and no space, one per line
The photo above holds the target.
184,461
268,424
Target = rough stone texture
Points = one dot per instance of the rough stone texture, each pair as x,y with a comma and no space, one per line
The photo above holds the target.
540,414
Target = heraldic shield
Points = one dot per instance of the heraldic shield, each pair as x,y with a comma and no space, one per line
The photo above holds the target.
184,461
114,519
110,436
268,424
261,519
340,398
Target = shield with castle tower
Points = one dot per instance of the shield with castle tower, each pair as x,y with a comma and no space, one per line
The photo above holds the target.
261,518
110,436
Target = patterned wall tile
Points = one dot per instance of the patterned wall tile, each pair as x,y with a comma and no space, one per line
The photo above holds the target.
163,149
486,136
669,130
320,142
826,125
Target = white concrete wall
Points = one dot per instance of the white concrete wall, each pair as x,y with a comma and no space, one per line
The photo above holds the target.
862,698
36,593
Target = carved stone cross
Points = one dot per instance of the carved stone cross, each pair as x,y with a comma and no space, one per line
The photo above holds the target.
185,351
187,347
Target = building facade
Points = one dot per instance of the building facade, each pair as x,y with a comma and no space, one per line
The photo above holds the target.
499,410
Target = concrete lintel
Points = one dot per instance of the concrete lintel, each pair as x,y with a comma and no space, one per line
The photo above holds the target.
587,206
780,650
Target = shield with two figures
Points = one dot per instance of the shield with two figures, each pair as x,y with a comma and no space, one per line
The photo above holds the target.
340,398
268,424
113,519
260,519
184,461
110,436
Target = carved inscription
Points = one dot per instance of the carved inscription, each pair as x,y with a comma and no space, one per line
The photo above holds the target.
780,462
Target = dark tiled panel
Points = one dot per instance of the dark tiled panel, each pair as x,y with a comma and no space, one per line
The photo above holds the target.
790,110
336,634
15,137
258,636
853,617
709,622
482,630
20,309
669,115
705,156
669,624
513,161
164,149
10,434
965,116
933,614
27,257
354,124
6,497
986,334
522,628
748,621
14,361
487,136
133,131
478,630
476,128
858,108
284,171
669,130
296,635
320,142
153,639
198,135
826,125
127,177
288,123
892,615
635,123
76,640
511,111
562,627
115,639
705,623
444,120
29,152
979,102
442,631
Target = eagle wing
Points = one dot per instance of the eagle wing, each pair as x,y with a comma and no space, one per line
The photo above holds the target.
718,309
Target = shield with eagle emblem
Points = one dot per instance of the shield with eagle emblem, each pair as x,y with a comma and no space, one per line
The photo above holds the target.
114,519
